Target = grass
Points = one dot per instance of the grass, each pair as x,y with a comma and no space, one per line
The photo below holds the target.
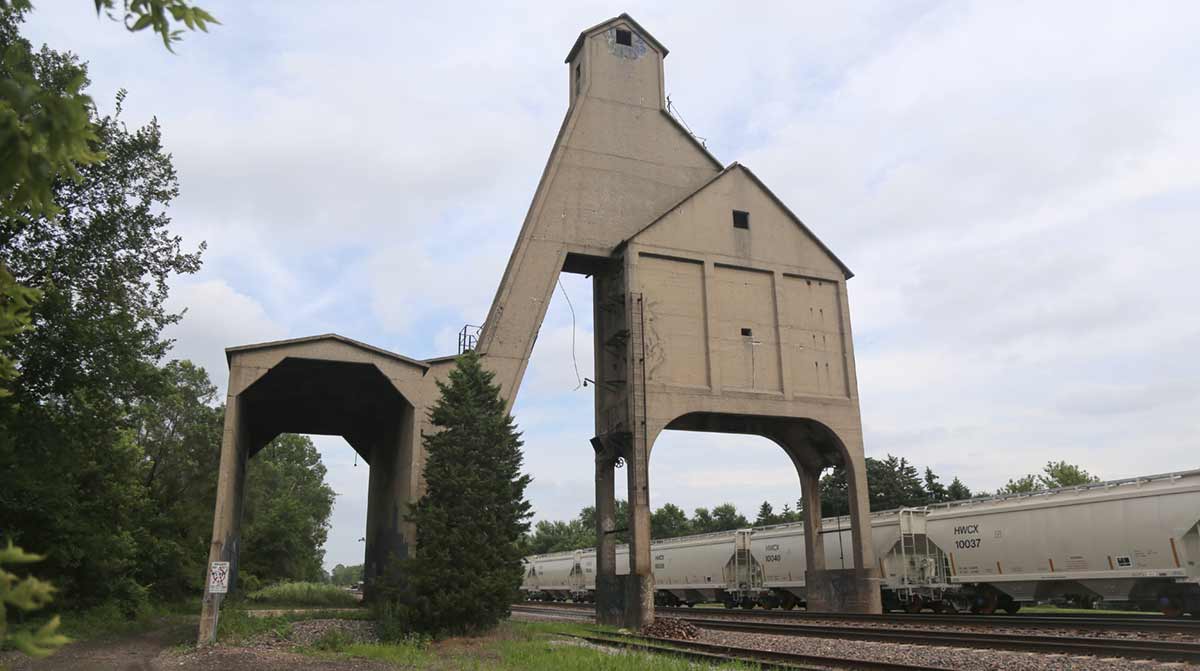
302,594
513,646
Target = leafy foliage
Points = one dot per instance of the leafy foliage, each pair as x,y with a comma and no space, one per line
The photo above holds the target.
159,15
88,365
26,594
287,508
346,575
467,568
1054,475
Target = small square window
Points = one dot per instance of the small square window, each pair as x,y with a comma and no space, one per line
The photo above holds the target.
747,332
741,219
624,37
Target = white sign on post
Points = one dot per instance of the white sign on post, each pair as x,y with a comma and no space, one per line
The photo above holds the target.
218,577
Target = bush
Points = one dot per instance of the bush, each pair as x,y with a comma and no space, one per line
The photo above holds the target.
303,594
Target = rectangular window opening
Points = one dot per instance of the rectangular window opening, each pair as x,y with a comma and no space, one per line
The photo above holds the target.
578,77
741,219
624,37
747,332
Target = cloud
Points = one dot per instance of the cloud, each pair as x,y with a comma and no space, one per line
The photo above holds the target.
217,317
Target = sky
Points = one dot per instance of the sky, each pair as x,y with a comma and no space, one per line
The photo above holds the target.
1015,185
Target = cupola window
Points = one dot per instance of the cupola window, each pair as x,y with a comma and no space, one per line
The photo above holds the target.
624,37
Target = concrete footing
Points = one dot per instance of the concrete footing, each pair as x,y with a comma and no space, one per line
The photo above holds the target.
639,601
843,591
610,600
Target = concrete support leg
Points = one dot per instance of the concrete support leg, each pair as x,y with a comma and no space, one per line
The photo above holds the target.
610,596
851,590
389,536
814,541
639,599
227,518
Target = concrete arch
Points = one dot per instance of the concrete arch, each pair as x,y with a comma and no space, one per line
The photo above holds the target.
324,385
812,446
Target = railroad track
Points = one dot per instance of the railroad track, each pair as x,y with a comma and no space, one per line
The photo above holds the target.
1140,623
1173,651
763,659
1074,645
1136,623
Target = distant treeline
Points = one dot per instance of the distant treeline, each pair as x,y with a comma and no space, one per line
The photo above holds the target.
893,483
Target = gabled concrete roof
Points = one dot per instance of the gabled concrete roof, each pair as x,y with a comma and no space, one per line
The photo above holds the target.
230,351
604,25
738,166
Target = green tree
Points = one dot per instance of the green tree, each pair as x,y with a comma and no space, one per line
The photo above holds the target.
1054,475
766,515
936,492
467,569
285,520
1061,474
102,264
957,491
702,521
179,432
46,126
346,575
669,521
726,518
1022,485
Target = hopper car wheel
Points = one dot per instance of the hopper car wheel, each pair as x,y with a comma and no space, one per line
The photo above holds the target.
1011,606
1170,607
728,604
789,602
747,605
914,605
985,604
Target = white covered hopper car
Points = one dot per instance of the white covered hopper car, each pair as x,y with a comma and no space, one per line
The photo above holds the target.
1135,541
762,566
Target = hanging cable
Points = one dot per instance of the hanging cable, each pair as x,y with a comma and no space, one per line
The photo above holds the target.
574,361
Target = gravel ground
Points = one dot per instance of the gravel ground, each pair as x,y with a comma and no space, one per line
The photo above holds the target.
308,632
1014,628
930,655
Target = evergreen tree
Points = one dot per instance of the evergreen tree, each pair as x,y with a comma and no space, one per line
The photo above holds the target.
766,515
467,568
957,491
936,491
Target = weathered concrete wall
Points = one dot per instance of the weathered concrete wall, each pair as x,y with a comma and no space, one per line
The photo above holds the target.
619,161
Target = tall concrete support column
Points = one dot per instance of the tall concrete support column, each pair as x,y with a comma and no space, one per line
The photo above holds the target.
610,601
639,596
814,542
847,590
389,535
227,518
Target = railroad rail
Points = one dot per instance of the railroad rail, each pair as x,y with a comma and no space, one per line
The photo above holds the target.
764,659
1141,623
1098,622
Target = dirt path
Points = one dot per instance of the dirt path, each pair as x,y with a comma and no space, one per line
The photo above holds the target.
156,650
134,652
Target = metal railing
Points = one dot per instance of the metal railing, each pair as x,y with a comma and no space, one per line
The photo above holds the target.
468,337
